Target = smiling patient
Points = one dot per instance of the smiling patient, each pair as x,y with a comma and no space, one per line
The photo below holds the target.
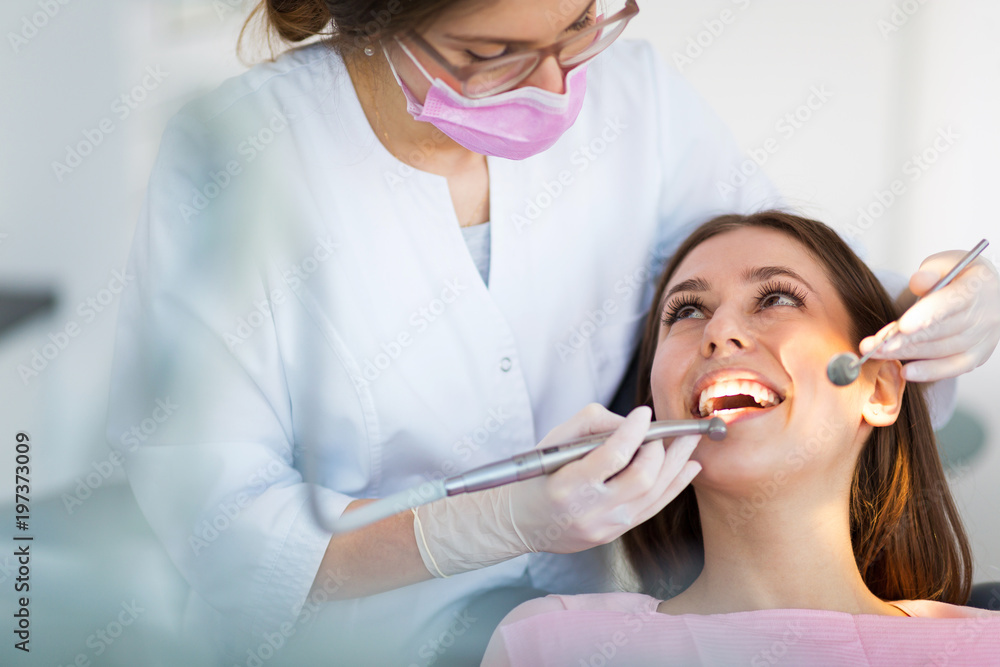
820,523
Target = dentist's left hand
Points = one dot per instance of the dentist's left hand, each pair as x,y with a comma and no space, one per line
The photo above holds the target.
586,503
953,330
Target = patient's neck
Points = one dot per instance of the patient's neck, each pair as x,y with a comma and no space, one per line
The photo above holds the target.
790,552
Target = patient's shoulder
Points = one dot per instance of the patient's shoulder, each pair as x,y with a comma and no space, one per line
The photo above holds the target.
935,609
631,603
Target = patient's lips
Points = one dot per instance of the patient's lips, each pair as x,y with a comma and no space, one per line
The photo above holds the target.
727,391
735,394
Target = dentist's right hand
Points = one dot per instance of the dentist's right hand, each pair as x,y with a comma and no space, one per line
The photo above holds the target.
586,503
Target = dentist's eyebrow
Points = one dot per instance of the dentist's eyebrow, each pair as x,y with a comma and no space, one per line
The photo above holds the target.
763,273
516,42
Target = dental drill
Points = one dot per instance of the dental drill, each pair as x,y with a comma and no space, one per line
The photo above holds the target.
533,463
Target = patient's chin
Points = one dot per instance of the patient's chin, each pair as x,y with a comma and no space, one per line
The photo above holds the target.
741,464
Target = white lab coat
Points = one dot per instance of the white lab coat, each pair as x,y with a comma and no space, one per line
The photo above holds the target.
298,289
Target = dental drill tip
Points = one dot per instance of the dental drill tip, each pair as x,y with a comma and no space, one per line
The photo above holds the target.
716,429
843,369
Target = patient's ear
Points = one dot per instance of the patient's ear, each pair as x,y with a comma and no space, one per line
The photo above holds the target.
886,399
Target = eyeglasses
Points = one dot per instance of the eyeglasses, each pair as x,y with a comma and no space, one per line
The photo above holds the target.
482,79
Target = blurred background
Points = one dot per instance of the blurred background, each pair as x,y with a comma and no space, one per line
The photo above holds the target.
856,96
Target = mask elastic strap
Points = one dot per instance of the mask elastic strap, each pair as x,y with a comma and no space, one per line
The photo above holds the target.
392,68
413,59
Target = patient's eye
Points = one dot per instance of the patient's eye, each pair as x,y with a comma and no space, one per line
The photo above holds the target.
780,294
684,308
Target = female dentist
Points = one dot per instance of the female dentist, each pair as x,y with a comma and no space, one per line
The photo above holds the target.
410,249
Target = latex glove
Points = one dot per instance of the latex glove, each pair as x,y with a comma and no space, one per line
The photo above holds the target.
584,504
953,330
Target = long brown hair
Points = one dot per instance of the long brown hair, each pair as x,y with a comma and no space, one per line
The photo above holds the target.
906,533
347,25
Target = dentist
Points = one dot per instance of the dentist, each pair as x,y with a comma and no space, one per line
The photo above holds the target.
440,249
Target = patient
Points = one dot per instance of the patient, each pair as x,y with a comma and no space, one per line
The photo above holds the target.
820,522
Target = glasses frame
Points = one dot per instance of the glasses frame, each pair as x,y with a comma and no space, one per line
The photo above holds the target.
463,73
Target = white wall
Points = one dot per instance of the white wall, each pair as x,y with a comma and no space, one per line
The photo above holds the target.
889,95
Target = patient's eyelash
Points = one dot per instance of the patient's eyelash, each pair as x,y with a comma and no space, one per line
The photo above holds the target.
785,289
674,309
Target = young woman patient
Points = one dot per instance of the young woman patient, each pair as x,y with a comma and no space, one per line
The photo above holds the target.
820,523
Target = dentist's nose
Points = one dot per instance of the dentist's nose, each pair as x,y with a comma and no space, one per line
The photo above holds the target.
549,76
726,333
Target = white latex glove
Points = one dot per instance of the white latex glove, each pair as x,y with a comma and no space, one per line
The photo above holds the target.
953,330
578,507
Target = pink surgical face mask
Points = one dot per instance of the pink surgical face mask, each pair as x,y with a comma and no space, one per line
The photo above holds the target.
515,124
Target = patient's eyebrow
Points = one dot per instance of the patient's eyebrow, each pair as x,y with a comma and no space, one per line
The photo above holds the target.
761,273
689,285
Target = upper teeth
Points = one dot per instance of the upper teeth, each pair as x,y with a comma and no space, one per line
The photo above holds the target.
761,394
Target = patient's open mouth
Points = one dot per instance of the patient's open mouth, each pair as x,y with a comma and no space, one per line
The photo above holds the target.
729,395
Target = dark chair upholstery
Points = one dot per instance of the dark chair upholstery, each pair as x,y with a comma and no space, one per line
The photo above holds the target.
985,596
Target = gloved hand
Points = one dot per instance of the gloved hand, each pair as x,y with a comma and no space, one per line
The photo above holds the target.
584,504
953,330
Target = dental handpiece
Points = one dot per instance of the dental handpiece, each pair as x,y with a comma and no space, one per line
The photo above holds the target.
526,465
547,460
844,368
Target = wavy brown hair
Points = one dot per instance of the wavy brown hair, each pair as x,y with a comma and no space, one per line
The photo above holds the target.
906,532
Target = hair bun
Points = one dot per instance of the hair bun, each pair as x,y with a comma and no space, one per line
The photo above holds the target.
296,20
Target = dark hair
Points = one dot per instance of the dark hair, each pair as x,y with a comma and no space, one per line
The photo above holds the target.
906,533
348,25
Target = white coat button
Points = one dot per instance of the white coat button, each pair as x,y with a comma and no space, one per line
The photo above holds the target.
506,364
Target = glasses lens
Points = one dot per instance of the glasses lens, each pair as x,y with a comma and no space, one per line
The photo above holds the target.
588,44
503,76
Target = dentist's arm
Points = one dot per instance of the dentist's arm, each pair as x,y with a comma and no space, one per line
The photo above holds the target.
586,503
